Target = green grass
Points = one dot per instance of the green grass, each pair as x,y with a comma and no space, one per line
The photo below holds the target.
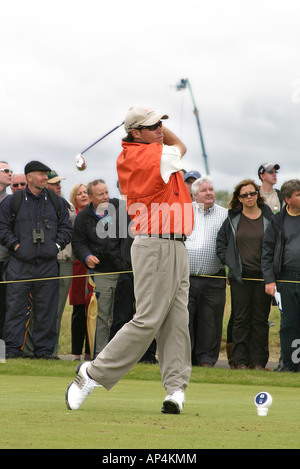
219,410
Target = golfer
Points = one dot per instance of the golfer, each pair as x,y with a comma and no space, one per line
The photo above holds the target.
161,210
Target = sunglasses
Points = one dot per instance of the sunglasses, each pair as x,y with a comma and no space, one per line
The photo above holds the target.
272,171
16,184
245,196
150,127
5,170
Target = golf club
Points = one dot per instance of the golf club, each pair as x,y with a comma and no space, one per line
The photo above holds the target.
80,160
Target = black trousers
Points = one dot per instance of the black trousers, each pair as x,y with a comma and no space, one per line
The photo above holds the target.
250,335
290,319
206,309
2,302
78,330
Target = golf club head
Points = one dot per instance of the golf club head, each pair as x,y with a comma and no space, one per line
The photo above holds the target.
80,162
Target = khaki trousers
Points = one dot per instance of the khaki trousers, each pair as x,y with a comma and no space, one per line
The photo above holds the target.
106,286
161,283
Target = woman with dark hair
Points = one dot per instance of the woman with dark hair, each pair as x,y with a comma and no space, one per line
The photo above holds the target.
239,246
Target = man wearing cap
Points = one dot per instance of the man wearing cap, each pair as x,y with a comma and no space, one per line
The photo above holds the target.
33,234
54,182
65,262
189,178
161,211
267,173
5,181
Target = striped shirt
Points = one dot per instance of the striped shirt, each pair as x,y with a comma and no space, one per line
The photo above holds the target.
201,244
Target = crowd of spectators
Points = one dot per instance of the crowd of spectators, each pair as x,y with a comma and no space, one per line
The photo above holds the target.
52,247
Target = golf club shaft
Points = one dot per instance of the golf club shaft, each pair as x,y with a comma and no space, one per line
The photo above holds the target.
115,128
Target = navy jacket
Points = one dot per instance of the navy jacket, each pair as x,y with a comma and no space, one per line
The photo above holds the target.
104,238
37,213
272,248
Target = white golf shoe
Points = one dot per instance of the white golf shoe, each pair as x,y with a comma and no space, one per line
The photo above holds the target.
79,389
173,403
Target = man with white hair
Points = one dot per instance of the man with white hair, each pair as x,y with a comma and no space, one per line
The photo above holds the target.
207,291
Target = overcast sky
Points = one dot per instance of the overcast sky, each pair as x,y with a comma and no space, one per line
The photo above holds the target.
70,70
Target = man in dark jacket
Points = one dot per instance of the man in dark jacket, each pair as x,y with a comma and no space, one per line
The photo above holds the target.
34,236
97,243
281,261
5,181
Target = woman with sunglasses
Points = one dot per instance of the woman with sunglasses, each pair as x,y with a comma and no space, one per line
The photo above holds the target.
239,246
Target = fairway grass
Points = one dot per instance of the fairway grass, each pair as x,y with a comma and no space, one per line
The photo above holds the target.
219,410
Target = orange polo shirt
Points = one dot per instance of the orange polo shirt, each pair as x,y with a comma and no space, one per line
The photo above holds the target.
154,206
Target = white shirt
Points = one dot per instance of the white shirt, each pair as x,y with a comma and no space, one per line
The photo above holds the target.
170,162
201,244
272,200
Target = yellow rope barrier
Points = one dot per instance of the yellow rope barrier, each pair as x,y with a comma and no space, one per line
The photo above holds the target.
251,279
128,272
67,276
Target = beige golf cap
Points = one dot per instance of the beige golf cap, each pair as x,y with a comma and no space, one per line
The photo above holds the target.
53,177
137,117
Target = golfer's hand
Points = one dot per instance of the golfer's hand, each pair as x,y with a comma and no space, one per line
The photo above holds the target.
92,261
270,288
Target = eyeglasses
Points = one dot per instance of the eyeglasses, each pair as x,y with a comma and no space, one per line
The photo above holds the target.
16,184
150,127
5,170
251,194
